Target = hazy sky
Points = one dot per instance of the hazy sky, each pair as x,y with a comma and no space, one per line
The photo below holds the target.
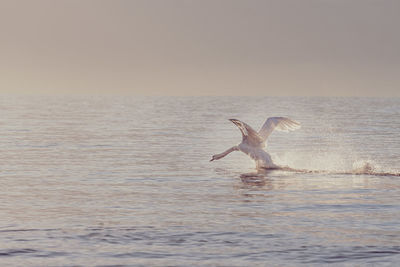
215,47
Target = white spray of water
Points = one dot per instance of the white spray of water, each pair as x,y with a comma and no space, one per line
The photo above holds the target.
335,162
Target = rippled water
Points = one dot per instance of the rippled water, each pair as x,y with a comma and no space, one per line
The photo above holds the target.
127,181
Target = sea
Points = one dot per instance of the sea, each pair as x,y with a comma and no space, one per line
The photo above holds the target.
127,181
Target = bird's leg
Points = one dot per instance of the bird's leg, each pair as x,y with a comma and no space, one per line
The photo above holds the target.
223,154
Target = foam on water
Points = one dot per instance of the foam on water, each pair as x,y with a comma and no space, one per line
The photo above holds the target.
327,162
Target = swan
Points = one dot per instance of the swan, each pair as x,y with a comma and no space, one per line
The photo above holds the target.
253,143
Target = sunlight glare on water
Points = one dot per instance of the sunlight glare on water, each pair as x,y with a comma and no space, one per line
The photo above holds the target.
127,181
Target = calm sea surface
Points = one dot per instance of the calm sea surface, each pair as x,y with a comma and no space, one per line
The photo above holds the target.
110,181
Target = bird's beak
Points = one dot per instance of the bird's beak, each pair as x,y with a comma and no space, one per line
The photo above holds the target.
236,122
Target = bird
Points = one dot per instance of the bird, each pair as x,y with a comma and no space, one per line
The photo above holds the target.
253,143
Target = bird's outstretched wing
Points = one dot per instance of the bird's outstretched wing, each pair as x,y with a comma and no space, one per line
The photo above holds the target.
277,123
249,135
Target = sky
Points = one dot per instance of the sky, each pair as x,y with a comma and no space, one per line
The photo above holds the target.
203,47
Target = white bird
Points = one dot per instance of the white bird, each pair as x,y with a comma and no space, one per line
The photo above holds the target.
253,142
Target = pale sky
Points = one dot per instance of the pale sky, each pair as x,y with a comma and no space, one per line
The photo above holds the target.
203,47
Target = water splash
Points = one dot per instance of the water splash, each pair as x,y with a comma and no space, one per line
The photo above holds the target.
331,163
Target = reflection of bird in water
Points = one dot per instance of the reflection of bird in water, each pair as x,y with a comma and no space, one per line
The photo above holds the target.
253,179
253,142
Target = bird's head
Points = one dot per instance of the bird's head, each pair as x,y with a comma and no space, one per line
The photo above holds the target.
235,121
215,157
